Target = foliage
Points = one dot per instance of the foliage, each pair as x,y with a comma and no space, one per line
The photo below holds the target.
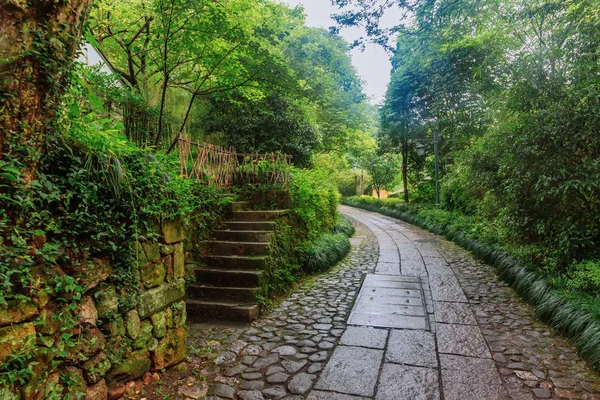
383,169
326,251
585,277
314,200
342,225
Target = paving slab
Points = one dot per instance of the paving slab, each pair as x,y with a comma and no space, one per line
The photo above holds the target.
469,370
413,268
398,382
411,347
388,268
388,321
364,336
446,288
454,313
321,395
351,370
461,340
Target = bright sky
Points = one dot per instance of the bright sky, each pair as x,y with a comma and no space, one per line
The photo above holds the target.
373,64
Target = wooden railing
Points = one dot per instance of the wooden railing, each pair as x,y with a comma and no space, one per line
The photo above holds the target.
217,165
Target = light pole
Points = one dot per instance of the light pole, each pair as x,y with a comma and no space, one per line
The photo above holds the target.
421,152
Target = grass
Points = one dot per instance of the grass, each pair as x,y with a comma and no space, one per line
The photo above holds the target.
573,313
326,252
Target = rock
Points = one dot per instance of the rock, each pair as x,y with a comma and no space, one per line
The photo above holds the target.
14,337
252,385
196,391
273,369
153,275
278,377
96,367
156,299
17,311
301,383
135,366
250,395
107,301
98,391
314,368
542,393
293,366
47,322
225,358
87,311
93,272
159,324
233,371
285,350
166,249
224,391
146,252
173,231
275,392
133,324
266,361
170,349
41,386
252,375
152,344
145,334
178,261
252,350
179,314
72,380
116,327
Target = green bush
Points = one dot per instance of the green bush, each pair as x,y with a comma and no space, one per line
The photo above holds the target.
326,251
315,199
585,276
342,225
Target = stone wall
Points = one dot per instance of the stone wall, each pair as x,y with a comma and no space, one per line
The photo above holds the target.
113,341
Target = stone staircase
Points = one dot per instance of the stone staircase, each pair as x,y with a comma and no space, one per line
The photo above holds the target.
236,267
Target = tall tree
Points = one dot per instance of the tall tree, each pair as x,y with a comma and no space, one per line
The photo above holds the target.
38,42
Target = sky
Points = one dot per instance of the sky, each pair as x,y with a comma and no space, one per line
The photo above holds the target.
372,64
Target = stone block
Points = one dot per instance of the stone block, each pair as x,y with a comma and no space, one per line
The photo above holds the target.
47,323
116,327
41,386
170,349
408,382
178,261
156,299
107,301
15,337
173,231
159,324
93,272
98,391
73,382
133,367
16,312
95,368
152,275
145,334
146,251
166,249
132,324
87,311
90,343
179,314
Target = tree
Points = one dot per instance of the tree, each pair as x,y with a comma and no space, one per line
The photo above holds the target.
382,168
38,42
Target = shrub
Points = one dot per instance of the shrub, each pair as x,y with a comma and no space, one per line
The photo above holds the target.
326,251
585,276
342,225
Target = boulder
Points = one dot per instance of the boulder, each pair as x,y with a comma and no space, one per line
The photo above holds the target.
133,367
17,311
153,275
14,337
96,367
173,231
170,349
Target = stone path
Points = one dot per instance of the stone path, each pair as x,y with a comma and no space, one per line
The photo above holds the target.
429,322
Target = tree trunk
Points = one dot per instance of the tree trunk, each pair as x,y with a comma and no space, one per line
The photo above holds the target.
404,151
38,42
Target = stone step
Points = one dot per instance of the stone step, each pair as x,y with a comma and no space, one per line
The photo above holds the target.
238,206
219,293
242,236
202,310
236,262
249,225
229,277
258,215
220,247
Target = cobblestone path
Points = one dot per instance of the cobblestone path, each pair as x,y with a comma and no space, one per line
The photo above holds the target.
429,322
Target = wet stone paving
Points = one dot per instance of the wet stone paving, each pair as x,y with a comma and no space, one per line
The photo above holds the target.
407,315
